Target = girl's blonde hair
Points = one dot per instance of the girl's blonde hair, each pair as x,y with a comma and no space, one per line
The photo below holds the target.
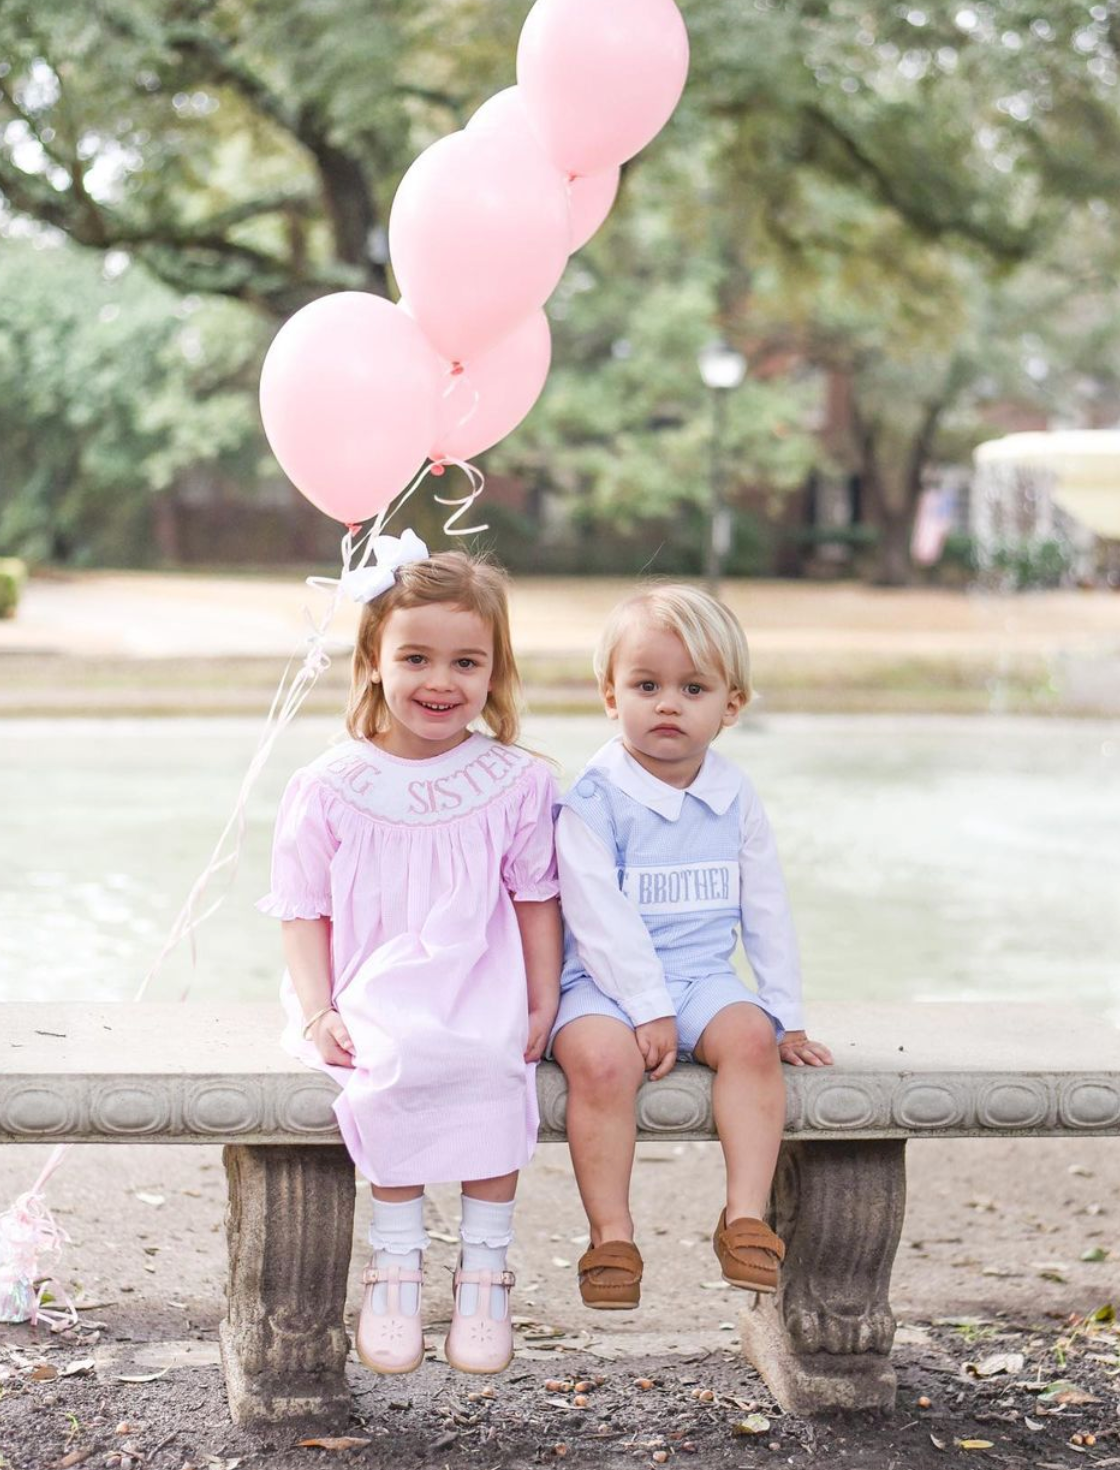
458,580
709,630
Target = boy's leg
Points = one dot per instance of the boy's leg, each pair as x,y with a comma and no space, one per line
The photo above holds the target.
604,1069
748,1100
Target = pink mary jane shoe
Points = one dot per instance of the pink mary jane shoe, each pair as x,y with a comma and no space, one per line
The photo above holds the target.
389,1341
478,1343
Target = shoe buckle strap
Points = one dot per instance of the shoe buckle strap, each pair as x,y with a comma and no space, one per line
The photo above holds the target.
485,1278
390,1275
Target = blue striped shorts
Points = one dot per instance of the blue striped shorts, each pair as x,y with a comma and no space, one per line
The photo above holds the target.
697,1002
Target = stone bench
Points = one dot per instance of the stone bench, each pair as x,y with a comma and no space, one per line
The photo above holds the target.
214,1074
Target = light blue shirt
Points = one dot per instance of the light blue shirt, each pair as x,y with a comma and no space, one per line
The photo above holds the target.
658,882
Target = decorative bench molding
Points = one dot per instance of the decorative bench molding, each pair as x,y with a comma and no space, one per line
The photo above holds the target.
215,1074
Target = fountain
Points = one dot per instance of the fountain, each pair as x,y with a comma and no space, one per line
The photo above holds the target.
1040,508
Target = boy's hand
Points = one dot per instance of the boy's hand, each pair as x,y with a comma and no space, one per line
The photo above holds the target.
332,1040
657,1042
797,1050
540,1028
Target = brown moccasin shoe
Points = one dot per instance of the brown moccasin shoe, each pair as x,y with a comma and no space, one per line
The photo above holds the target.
749,1253
610,1276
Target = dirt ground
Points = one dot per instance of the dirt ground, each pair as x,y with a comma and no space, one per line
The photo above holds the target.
1008,1248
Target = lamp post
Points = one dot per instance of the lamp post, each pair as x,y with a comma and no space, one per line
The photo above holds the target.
721,368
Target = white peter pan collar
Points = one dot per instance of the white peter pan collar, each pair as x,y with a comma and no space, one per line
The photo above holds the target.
717,782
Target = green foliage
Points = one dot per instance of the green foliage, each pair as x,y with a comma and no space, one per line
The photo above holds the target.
1020,565
13,575
918,202
111,387
960,552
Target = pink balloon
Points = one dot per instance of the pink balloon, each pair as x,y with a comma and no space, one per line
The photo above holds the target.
589,198
600,78
494,392
478,235
505,113
349,396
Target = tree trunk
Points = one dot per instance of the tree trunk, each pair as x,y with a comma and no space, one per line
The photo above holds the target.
165,528
895,568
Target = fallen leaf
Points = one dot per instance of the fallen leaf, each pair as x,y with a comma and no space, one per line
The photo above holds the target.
147,1378
75,1457
1081,1169
149,1199
1095,1253
339,1442
81,1365
1033,1425
996,1363
1062,1391
974,1444
938,1444
1107,1313
560,1262
447,1239
752,1424
42,1372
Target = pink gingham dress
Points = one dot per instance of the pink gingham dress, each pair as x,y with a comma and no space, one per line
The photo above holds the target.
417,864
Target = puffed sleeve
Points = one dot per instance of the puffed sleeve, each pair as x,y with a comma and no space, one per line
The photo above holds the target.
529,862
302,850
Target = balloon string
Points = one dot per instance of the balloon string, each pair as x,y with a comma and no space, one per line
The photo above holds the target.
28,1230
459,373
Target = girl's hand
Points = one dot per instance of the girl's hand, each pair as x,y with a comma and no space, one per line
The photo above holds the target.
797,1050
657,1042
540,1029
332,1040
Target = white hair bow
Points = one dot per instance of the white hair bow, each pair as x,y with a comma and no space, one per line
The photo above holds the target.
389,553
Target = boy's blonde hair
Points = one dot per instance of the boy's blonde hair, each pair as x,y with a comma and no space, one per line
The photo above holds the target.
709,630
458,580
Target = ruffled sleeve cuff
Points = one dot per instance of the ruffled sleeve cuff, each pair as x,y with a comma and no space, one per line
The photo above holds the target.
280,906
538,891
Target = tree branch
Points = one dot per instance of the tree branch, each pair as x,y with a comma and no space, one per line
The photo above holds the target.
1011,245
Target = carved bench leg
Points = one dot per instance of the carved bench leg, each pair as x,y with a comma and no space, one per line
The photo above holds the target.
823,1341
290,1226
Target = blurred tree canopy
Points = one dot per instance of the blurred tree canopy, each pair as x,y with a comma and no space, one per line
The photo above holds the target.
893,194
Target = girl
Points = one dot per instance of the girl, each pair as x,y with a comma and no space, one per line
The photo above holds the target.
414,874
664,849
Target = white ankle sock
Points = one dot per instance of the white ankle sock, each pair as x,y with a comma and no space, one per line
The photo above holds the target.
486,1232
399,1240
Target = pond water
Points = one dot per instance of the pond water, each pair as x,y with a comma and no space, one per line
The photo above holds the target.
927,858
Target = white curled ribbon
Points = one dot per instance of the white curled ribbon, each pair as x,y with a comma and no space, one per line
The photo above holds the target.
390,553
